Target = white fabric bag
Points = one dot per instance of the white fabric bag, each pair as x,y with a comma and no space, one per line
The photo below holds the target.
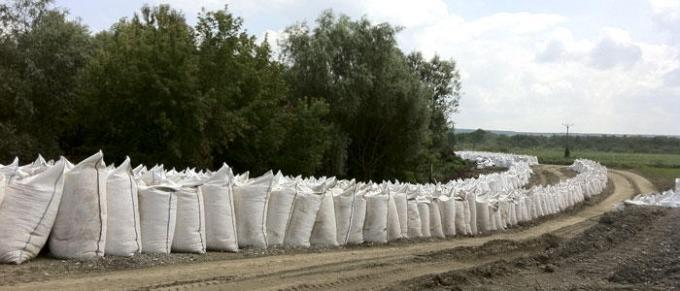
447,211
250,204
220,219
27,213
375,226
189,234
158,214
123,231
324,232
79,229
350,210
414,225
279,209
302,218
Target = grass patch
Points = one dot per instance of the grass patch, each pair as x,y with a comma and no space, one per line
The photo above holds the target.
662,178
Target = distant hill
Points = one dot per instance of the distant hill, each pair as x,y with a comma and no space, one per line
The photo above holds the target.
511,133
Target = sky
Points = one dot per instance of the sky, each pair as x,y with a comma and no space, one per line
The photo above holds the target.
607,66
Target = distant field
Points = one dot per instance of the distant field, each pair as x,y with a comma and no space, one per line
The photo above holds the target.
660,169
619,160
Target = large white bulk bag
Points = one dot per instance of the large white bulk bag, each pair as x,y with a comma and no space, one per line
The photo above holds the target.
189,234
462,220
324,232
350,211
79,229
27,213
250,204
220,218
436,220
447,210
123,233
158,214
393,223
414,225
401,204
677,185
279,207
482,211
3,186
375,225
303,215
471,199
424,211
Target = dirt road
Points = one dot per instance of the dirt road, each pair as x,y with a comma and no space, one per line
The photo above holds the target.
351,268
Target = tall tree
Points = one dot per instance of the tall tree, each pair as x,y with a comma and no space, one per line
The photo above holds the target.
41,52
138,94
377,103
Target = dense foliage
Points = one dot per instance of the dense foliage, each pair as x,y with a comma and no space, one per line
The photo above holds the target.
342,100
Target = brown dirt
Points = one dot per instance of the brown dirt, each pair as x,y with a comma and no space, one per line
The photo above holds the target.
635,249
358,267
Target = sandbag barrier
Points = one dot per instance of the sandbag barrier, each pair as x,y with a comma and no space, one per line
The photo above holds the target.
669,198
488,159
92,210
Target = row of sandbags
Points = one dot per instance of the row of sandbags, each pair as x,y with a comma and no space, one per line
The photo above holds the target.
669,198
489,159
93,210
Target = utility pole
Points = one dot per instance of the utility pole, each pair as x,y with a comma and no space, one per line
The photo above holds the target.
566,149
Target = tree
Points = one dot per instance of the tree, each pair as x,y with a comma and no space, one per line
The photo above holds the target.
42,54
253,124
138,93
444,89
378,105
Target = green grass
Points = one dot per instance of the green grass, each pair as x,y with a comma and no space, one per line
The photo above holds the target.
662,178
615,160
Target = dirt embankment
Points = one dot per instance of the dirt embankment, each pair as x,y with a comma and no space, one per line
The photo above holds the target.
635,249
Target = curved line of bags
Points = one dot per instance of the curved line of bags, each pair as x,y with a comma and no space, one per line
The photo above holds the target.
669,198
90,210
488,159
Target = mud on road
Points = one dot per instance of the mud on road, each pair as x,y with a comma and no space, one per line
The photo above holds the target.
357,267
634,249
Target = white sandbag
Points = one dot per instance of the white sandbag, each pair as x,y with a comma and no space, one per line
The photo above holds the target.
393,224
447,210
324,232
189,234
79,229
350,210
158,214
302,218
250,204
356,234
462,221
375,225
471,199
27,213
3,187
278,213
424,211
436,220
677,185
402,211
482,211
220,218
414,225
123,233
